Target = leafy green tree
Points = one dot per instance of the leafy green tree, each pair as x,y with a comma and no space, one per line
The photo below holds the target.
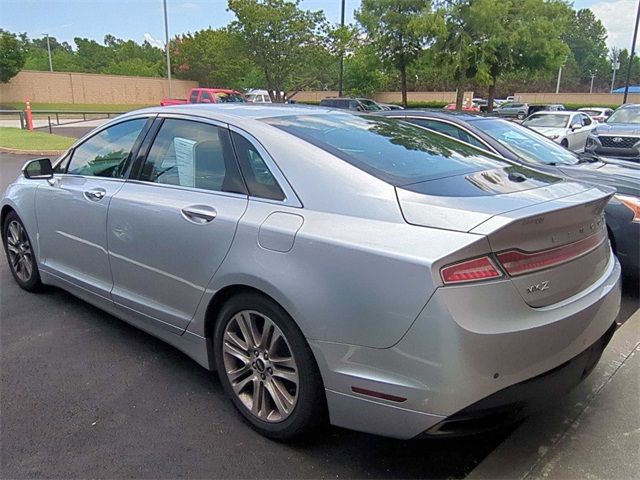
364,73
621,75
12,56
399,30
279,38
215,58
586,37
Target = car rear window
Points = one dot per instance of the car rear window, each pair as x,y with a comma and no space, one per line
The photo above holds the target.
394,151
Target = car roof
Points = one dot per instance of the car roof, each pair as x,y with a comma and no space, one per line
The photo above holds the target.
229,111
448,115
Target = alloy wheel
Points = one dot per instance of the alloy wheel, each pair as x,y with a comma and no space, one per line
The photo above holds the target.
20,252
260,366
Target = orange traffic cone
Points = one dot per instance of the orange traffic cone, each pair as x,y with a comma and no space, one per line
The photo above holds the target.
28,116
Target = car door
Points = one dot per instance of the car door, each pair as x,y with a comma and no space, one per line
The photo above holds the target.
448,129
72,207
171,227
588,124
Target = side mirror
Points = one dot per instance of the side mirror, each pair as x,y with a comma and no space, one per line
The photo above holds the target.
576,126
38,169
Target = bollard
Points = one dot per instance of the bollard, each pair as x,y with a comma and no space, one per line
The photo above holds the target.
49,118
29,116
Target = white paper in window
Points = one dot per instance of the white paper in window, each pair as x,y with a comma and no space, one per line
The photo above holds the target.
185,160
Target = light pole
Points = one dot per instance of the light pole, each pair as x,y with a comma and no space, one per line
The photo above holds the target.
166,46
341,53
616,66
633,51
49,50
593,75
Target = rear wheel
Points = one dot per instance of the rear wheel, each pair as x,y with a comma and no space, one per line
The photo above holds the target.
267,368
19,251
565,143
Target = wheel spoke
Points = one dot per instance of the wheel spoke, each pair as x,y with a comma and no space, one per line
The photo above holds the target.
239,386
267,332
291,376
241,320
12,247
236,353
13,231
281,400
26,263
233,338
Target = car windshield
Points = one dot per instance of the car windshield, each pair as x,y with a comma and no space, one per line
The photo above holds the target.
625,115
526,143
592,113
371,106
547,120
397,152
229,97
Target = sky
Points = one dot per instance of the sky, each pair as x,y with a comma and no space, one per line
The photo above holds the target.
143,19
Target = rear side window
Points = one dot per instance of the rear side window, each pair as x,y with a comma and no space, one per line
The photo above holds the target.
193,154
194,96
259,179
397,152
106,153
448,129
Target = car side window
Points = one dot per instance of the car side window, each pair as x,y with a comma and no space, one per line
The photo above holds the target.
206,97
193,154
259,179
449,130
194,97
106,153
585,120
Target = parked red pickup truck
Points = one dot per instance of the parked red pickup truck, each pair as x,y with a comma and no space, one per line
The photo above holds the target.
207,95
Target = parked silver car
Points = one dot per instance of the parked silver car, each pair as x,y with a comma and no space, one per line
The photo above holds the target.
328,265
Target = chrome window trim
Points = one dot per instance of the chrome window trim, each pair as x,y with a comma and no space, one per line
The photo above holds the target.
488,148
188,189
290,197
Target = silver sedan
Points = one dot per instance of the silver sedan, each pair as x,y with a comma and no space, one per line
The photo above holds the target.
330,266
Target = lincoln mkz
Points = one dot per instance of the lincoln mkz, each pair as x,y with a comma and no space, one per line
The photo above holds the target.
331,266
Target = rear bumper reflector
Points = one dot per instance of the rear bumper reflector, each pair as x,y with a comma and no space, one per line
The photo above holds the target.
384,396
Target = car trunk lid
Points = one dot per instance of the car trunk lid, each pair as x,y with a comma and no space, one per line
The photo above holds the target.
550,241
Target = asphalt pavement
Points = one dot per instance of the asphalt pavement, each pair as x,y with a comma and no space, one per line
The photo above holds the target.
83,394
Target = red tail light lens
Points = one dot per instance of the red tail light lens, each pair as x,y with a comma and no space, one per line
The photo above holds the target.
470,271
516,262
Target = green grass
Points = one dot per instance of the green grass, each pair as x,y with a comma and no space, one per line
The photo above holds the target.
18,139
78,107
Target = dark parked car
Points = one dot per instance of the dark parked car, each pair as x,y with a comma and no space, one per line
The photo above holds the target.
526,147
514,110
351,103
619,136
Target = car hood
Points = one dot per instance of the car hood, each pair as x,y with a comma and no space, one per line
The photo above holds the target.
548,131
617,129
624,179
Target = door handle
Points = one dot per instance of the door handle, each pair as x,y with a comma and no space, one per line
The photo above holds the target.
95,194
199,215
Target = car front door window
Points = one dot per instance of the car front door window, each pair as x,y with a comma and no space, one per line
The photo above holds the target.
106,153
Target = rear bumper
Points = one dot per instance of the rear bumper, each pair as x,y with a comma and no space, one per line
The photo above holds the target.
517,401
468,343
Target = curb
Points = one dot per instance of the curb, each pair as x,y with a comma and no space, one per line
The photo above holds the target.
17,151
537,441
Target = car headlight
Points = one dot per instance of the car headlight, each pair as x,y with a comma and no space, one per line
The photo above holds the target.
632,203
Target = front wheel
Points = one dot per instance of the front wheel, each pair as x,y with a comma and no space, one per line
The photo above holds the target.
267,368
17,246
565,143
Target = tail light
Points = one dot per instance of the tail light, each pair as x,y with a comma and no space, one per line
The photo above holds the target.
632,203
516,262
481,268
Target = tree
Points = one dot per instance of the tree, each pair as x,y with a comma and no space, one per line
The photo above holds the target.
364,73
12,56
586,37
215,58
280,39
399,30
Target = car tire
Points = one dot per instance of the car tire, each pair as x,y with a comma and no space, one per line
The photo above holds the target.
565,143
273,380
20,255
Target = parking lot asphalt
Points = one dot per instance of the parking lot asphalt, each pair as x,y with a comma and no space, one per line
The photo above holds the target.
83,394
